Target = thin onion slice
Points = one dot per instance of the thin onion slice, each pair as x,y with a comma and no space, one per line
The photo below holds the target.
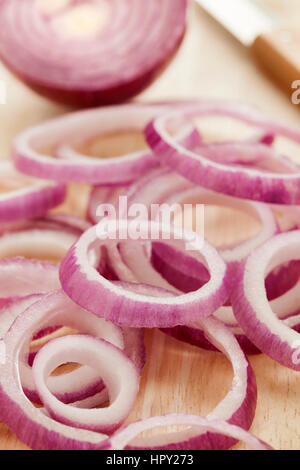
78,127
26,198
248,183
31,425
237,408
82,383
116,369
85,285
122,438
251,306
93,52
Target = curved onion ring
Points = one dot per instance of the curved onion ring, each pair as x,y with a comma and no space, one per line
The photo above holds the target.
238,406
83,383
31,425
129,44
121,439
82,282
251,306
241,182
26,198
78,127
116,369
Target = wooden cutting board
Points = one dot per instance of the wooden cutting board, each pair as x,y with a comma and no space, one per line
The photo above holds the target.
180,378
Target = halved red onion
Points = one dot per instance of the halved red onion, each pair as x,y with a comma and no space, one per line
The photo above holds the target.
249,183
116,369
85,285
24,198
123,438
251,306
93,52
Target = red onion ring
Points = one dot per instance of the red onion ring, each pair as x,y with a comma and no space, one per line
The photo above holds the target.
31,425
115,368
80,126
79,384
128,46
252,309
241,182
85,285
123,437
238,406
26,198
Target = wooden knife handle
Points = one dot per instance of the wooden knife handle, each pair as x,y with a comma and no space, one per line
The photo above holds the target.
279,53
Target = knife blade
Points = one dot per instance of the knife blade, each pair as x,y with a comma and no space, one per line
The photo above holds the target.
277,49
244,19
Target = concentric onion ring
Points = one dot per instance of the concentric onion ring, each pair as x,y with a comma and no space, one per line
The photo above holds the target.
85,285
93,52
116,369
66,131
238,406
248,183
31,425
79,384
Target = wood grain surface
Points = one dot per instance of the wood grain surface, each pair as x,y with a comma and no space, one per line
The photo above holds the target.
180,378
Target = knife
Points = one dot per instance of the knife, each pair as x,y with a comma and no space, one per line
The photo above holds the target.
277,49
